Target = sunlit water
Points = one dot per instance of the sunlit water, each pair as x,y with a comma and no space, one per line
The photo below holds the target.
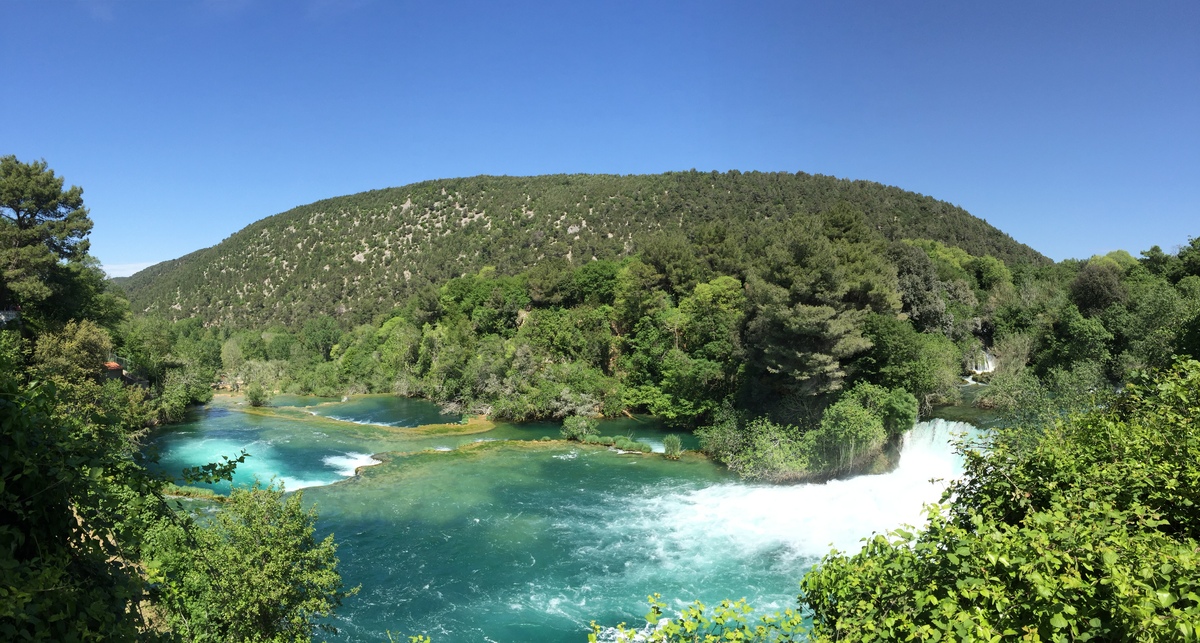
515,540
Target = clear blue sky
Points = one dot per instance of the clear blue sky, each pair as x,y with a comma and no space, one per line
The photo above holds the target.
1073,126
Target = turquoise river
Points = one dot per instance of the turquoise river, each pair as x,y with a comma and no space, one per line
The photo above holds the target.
497,536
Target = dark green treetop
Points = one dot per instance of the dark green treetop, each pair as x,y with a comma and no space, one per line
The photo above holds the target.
358,256
41,224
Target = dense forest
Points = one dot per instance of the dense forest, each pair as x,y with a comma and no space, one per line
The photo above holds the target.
798,345
356,256
797,323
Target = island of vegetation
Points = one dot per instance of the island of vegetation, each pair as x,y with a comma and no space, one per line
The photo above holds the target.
797,323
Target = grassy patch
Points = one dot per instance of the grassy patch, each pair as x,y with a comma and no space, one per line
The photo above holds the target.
201,493
474,424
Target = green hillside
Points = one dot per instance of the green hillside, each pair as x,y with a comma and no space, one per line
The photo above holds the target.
357,256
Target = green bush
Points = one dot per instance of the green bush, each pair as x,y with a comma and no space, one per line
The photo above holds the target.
286,599
591,439
256,395
722,439
849,431
577,427
626,443
673,446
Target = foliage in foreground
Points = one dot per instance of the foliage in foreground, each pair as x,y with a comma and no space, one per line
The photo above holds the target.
79,509
89,549
67,480
254,573
728,621
1090,532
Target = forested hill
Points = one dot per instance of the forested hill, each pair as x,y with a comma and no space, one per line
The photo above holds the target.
356,256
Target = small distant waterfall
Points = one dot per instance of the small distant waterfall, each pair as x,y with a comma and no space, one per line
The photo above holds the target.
981,362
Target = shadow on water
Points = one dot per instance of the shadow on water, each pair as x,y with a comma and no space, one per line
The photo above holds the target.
967,411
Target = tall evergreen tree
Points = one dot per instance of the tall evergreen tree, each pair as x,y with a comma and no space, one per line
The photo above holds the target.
41,225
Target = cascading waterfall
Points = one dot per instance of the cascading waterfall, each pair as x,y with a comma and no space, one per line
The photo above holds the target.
803,520
982,362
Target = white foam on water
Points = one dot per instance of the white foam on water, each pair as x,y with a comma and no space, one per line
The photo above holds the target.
347,463
691,540
698,527
656,446
398,424
292,484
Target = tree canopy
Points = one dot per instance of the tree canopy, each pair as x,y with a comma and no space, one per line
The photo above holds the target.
45,270
357,256
41,225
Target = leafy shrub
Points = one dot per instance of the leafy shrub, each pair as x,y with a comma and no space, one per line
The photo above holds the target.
772,452
673,446
625,443
591,439
896,407
284,600
722,439
256,395
577,427
727,621
851,430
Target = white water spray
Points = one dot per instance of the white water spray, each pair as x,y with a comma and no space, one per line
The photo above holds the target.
347,464
982,362
694,527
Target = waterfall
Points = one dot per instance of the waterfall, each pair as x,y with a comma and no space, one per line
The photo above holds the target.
981,362
696,527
